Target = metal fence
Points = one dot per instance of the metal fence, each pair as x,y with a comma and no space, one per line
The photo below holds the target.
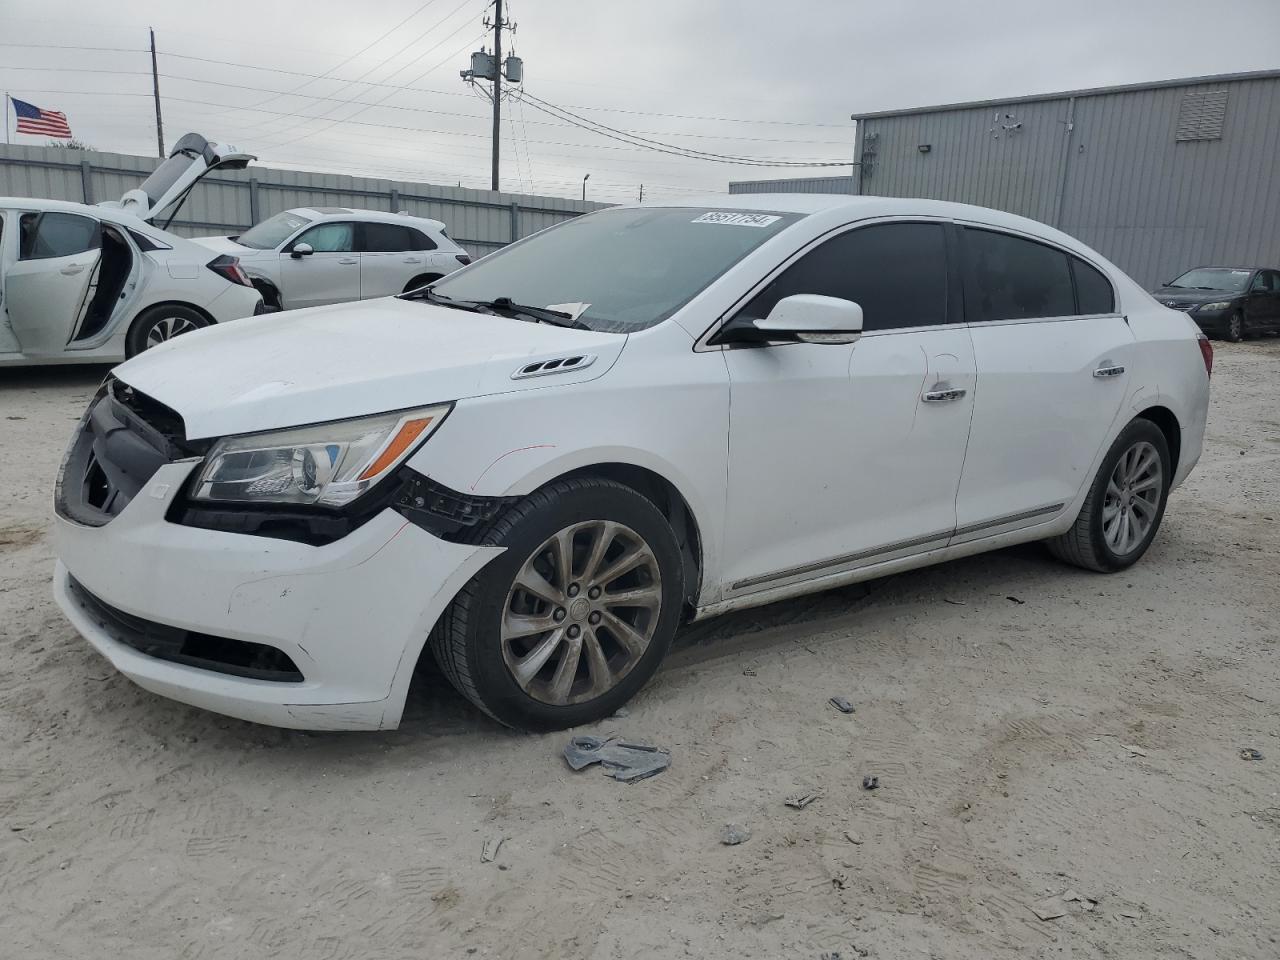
229,202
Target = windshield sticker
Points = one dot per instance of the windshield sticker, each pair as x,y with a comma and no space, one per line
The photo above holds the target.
737,219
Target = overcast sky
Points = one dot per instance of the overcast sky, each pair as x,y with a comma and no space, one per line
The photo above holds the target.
321,84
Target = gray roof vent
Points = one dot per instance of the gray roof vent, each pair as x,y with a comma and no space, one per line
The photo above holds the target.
544,368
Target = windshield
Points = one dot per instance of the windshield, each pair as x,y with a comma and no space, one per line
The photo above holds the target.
269,234
1214,278
618,270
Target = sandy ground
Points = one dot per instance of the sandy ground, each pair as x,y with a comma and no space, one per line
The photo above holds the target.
135,827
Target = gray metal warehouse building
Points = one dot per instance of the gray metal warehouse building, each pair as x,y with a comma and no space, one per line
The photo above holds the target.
1159,177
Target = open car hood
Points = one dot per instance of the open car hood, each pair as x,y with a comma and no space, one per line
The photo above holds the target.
162,194
351,360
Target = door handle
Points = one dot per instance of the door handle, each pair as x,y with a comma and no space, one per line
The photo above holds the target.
348,260
71,269
1108,370
412,259
943,396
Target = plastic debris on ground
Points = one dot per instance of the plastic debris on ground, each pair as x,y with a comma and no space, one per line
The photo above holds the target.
489,852
620,759
1248,753
733,834
870,783
798,801
841,704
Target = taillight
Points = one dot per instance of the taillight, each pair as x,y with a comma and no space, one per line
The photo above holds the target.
228,268
1206,351
462,258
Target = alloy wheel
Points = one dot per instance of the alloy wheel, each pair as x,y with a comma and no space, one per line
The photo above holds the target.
166,328
1132,500
581,612
1235,328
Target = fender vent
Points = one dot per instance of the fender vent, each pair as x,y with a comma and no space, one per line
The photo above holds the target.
544,368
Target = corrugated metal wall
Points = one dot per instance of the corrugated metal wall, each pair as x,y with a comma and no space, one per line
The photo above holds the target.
1117,179
802,185
232,201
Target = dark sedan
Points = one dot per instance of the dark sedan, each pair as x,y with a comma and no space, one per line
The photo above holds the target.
1228,302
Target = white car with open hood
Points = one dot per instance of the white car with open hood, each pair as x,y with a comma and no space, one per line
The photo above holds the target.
538,467
313,256
95,284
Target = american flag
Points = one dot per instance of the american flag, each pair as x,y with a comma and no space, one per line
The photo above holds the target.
45,123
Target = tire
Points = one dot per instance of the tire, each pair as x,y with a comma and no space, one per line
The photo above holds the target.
489,636
421,281
1091,543
158,324
1235,328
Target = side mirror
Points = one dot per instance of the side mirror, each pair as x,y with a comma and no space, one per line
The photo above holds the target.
801,318
301,250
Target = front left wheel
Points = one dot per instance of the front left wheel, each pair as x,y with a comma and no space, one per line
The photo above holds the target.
576,614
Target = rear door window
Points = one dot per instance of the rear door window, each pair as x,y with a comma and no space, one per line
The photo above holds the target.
897,273
1011,278
420,240
1093,290
387,238
48,235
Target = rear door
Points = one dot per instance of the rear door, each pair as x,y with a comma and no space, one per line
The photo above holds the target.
1052,359
329,274
47,290
392,255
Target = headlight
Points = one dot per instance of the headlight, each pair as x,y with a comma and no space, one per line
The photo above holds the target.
329,464
1216,305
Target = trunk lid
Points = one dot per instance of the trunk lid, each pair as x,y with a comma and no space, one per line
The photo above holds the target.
162,194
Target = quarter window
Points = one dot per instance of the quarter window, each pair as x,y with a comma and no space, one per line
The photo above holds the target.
1009,278
47,235
897,273
1093,290
329,238
420,240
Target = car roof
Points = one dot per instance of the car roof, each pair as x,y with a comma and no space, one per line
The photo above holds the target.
371,216
857,207
113,214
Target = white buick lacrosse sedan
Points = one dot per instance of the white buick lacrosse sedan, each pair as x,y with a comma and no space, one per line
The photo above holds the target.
537,468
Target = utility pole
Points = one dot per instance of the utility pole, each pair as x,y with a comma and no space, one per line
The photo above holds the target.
491,67
155,87
642,193
497,88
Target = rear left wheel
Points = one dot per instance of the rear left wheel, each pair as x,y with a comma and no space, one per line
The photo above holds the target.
1125,504
572,619
160,324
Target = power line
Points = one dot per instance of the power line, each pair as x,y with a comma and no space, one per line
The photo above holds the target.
687,152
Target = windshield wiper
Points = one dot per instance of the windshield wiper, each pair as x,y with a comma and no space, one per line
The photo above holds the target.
499,305
556,318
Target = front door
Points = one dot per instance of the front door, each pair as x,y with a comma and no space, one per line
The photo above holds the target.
1052,357
330,273
47,289
1262,307
842,456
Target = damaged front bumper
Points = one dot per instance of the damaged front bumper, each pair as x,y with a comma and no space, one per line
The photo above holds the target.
218,619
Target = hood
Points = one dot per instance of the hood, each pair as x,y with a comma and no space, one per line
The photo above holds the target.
352,360
1192,295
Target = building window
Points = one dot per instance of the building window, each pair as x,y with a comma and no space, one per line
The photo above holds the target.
1201,116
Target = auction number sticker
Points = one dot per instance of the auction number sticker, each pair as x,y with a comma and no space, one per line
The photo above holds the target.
737,219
